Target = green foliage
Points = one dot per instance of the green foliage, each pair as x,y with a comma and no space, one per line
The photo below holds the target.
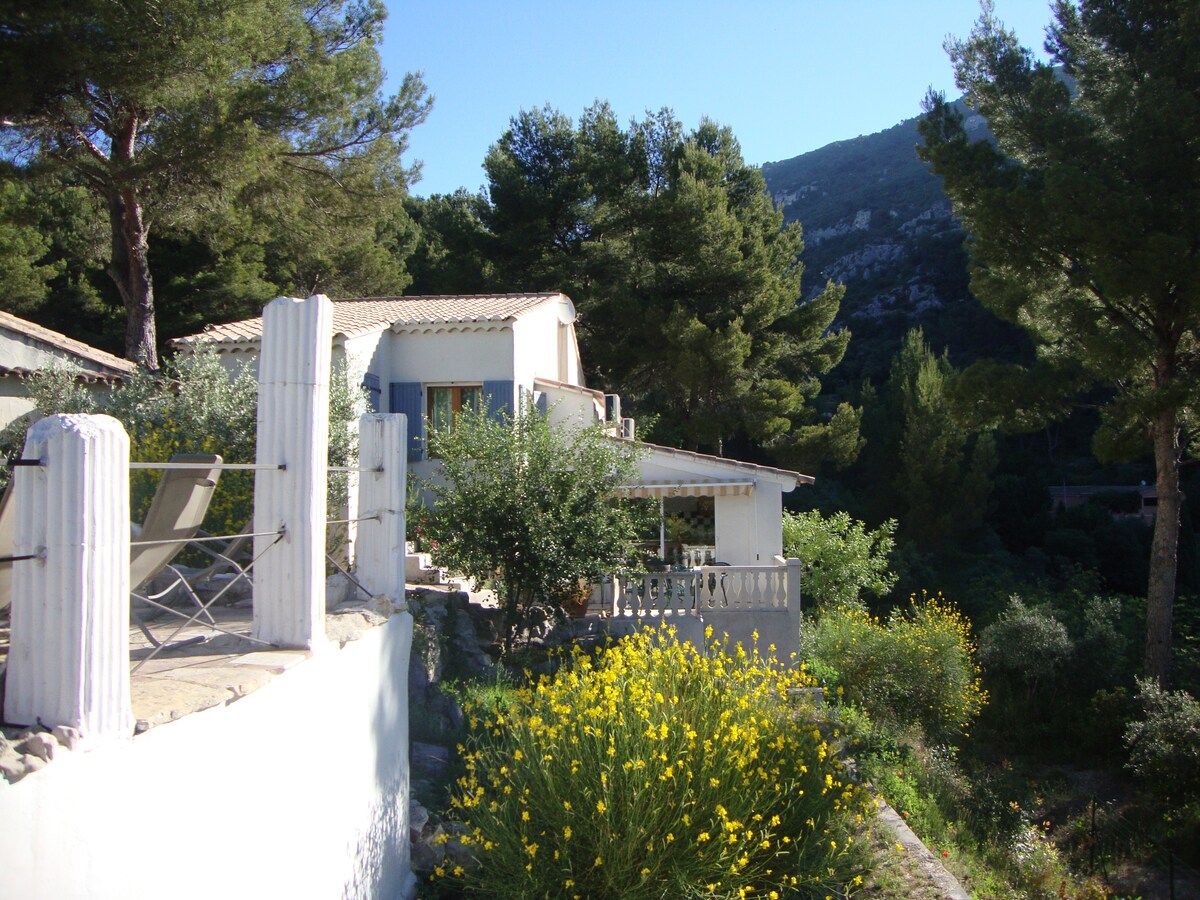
943,478
530,506
1027,644
1084,225
22,251
195,406
920,466
655,770
1057,665
842,560
449,254
1164,744
916,669
69,266
687,283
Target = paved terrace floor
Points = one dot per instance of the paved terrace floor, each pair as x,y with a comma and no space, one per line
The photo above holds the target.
218,671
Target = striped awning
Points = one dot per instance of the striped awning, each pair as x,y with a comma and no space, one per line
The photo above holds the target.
687,489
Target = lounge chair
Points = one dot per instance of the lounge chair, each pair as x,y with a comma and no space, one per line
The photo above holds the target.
172,521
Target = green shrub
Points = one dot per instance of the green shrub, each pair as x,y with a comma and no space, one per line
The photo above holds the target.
918,668
196,406
655,771
1027,644
529,505
842,560
1164,745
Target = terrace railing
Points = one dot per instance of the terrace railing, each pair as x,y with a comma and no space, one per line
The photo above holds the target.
737,599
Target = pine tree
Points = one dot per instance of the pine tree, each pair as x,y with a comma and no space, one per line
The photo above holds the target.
1084,218
686,280
168,108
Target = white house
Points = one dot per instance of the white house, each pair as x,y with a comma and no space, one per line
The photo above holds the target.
430,356
26,348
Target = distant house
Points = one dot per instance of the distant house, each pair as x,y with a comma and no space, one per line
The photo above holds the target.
430,356
26,348
1123,501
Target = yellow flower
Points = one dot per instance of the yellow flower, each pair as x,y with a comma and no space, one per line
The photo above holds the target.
600,806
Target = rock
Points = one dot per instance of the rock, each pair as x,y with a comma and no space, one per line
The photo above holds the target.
67,736
11,768
418,817
32,764
458,853
381,605
429,760
426,855
41,745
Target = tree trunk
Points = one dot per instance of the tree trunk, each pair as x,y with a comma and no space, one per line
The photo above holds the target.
1164,550
130,271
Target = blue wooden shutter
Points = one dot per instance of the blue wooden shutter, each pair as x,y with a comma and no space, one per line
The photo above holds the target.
498,395
405,397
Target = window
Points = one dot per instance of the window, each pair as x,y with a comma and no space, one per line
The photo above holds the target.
445,403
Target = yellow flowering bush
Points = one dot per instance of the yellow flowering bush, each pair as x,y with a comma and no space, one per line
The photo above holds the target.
918,667
654,770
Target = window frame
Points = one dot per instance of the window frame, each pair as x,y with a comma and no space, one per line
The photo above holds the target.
456,401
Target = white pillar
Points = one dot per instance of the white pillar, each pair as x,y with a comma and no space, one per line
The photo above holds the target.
293,431
382,449
68,663
794,568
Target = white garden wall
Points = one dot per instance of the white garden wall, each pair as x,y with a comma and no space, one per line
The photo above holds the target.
299,790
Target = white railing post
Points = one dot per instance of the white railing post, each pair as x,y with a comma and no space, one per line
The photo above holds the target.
68,662
794,568
382,449
293,432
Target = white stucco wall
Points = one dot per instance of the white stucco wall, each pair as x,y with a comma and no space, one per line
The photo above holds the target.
20,352
571,407
299,790
537,347
750,527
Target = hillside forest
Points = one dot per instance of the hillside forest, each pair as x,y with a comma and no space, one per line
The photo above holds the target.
884,320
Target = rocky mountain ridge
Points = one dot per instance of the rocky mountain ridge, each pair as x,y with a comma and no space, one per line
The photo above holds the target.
876,220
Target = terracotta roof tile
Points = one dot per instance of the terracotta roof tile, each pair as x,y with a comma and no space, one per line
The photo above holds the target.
85,352
362,315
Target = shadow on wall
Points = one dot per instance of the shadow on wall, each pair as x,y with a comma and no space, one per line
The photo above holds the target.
382,852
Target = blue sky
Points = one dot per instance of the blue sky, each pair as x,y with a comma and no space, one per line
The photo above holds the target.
788,76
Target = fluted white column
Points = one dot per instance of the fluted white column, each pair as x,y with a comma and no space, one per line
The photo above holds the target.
382,442
68,662
293,431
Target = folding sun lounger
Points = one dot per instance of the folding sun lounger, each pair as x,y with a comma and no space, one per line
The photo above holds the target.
172,521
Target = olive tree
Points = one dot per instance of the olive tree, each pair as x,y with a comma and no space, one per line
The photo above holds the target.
531,506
